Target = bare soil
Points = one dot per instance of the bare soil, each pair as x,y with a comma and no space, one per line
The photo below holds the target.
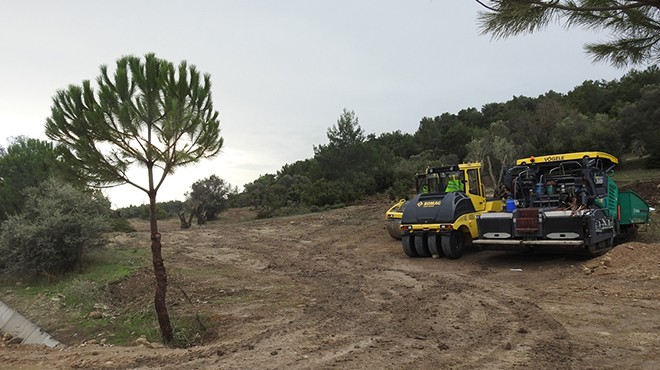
333,290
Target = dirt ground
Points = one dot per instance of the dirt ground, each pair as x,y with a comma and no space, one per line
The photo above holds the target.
333,290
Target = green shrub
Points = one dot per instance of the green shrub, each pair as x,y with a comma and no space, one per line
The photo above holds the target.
161,214
57,223
120,225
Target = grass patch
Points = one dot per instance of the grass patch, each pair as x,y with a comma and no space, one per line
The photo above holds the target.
191,330
99,267
110,265
111,326
111,300
633,170
627,176
76,306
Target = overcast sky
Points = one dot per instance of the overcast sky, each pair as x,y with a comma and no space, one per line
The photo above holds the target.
282,71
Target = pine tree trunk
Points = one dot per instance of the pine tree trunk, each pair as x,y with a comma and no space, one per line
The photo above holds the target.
160,273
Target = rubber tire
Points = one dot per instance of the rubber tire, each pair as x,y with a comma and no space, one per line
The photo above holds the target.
394,228
422,246
408,243
434,245
453,244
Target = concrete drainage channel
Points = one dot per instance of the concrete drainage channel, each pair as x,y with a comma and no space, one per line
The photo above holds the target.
14,324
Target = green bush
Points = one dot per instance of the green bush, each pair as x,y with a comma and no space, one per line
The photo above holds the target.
161,214
57,223
120,225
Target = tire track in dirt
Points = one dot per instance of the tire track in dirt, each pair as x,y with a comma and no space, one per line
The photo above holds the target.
332,290
365,311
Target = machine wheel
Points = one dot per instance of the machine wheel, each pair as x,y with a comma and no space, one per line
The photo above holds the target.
453,244
394,228
601,247
422,246
408,244
434,246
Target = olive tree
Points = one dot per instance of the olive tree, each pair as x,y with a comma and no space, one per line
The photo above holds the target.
634,24
207,199
149,114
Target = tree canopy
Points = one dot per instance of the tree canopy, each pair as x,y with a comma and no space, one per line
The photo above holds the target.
25,163
208,197
346,132
634,25
148,113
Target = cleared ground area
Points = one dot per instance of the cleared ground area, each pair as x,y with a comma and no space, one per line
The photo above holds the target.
333,290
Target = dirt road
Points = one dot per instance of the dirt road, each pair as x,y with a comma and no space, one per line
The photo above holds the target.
333,290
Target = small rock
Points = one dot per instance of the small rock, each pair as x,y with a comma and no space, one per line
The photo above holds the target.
592,265
273,353
156,345
95,315
100,306
508,346
141,341
523,331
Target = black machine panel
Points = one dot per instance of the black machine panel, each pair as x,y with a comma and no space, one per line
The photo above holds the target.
437,208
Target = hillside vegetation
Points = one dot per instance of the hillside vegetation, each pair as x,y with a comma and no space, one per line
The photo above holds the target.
332,289
619,117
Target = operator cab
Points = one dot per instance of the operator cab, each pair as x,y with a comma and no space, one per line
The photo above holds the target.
441,180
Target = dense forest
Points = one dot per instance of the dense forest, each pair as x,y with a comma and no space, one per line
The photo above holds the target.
619,117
